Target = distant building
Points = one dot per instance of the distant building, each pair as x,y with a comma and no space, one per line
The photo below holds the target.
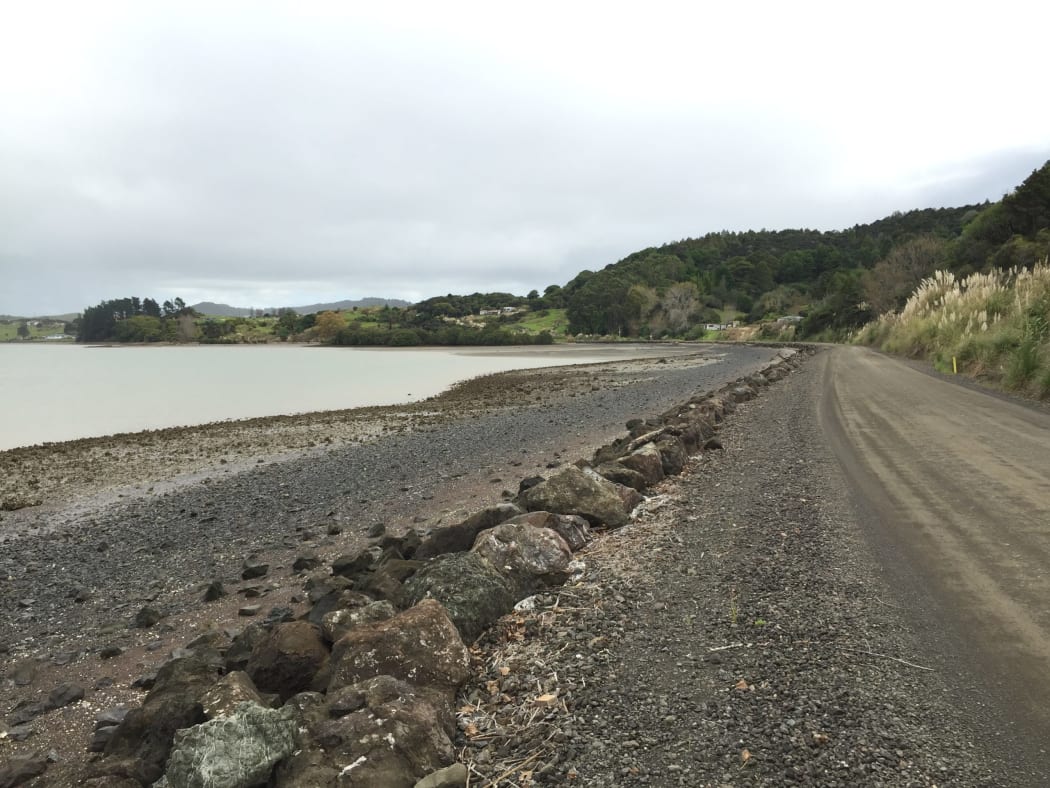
789,319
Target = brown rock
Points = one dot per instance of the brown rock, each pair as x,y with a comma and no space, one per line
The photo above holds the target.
420,646
646,461
460,536
287,660
222,698
377,732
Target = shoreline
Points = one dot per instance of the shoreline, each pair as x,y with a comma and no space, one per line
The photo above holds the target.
37,479
330,384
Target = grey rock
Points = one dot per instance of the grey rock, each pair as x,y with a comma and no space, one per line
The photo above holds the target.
350,565
64,695
254,568
147,617
571,527
473,592
304,562
237,751
532,557
574,492
214,591
22,769
338,622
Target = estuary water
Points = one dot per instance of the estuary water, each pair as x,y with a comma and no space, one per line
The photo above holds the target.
58,392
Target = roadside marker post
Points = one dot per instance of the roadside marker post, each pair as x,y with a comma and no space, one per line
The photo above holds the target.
955,367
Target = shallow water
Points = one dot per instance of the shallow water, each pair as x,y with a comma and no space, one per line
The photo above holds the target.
61,392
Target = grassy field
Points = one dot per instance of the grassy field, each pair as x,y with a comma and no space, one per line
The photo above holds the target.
9,330
552,320
995,326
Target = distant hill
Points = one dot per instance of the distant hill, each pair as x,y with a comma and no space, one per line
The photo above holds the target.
54,318
225,310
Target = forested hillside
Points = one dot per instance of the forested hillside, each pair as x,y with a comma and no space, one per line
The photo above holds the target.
837,280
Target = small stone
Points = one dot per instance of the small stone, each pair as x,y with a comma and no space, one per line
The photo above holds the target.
147,617
64,695
214,591
253,568
108,652
249,610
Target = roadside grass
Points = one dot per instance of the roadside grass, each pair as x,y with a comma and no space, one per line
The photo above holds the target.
996,326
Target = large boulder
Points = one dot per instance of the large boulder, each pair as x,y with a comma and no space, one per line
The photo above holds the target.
420,645
141,743
532,557
571,527
237,751
460,537
377,732
472,591
645,460
574,492
287,661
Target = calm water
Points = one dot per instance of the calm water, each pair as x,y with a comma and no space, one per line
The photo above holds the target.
61,392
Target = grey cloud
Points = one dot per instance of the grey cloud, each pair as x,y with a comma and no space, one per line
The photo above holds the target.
229,162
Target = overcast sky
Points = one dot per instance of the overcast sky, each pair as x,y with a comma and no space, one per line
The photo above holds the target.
270,153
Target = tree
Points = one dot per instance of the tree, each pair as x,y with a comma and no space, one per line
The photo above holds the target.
286,323
680,303
23,330
888,285
328,325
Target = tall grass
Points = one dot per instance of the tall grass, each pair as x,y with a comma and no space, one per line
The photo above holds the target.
996,325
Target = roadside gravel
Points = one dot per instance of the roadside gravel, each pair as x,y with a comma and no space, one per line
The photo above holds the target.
738,633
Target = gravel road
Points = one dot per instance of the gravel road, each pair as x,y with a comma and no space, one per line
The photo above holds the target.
743,633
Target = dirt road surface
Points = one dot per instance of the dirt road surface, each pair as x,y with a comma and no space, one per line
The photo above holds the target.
954,484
